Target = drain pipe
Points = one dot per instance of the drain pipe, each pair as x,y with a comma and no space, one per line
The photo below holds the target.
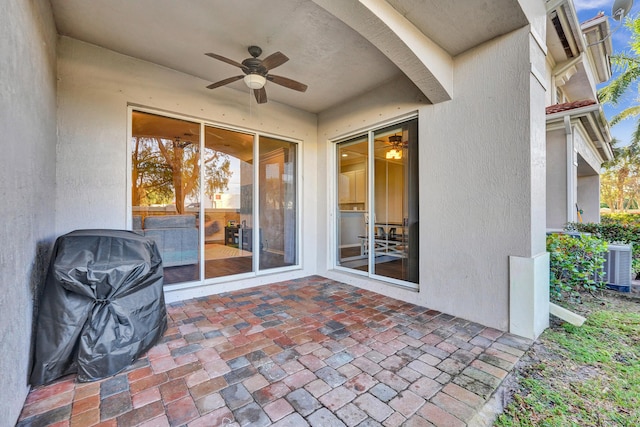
566,315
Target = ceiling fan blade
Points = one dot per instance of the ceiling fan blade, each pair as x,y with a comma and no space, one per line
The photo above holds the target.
286,82
224,82
274,60
261,95
227,60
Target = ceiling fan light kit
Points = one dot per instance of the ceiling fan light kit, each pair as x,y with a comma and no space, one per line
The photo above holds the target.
394,154
257,73
254,81
397,145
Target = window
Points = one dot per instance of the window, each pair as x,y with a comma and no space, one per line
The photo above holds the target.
196,196
377,206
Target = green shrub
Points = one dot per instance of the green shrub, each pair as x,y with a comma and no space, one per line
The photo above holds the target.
620,218
576,264
616,228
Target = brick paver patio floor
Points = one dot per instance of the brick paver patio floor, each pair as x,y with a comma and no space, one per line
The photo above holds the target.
311,351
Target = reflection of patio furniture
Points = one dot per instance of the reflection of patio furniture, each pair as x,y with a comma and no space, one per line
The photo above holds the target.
389,243
239,237
176,237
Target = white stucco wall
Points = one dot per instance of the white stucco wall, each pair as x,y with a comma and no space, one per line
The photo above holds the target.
482,192
589,197
556,179
565,189
27,184
96,85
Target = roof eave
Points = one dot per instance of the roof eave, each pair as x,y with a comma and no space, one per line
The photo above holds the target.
597,120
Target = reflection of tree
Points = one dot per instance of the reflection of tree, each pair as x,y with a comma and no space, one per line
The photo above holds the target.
165,170
216,172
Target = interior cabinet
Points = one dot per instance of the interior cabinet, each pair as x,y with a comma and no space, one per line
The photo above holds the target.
353,186
360,186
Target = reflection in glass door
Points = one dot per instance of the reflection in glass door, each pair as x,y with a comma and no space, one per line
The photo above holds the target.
377,231
278,204
195,195
352,213
395,177
165,201
228,202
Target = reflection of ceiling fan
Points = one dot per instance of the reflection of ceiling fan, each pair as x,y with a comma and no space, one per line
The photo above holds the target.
257,73
396,147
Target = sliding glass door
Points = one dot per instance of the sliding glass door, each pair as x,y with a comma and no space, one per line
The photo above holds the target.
196,190
165,196
278,204
228,208
377,207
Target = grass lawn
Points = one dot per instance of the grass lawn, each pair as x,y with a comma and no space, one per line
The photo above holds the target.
582,376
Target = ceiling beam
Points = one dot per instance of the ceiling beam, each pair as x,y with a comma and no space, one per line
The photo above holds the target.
428,66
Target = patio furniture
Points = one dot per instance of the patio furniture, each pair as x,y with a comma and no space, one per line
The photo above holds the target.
101,307
176,236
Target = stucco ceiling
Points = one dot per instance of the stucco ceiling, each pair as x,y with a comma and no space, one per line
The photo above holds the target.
335,61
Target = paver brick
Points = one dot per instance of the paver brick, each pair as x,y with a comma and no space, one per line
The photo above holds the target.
507,349
173,390
375,408
271,392
256,382
453,406
395,420
463,395
311,362
489,369
278,409
351,415
324,418
114,405
331,376
317,388
482,376
439,417
209,403
235,396
303,402
383,392
496,361
425,387
181,411
142,414
424,369
407,403
220,417
292,420
337,398
392,380
367,365
251,415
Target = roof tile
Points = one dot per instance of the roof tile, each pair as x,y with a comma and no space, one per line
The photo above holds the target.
557,108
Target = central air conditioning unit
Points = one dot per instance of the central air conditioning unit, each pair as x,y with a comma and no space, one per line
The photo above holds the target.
617,266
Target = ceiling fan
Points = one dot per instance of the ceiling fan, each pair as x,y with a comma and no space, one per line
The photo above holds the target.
257,73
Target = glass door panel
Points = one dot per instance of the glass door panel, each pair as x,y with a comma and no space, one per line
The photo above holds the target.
228,202
277,235
395,177
352,211
165,190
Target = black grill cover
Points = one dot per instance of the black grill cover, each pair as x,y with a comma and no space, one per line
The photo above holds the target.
102,305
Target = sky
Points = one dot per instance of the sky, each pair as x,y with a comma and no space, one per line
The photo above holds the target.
587,9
